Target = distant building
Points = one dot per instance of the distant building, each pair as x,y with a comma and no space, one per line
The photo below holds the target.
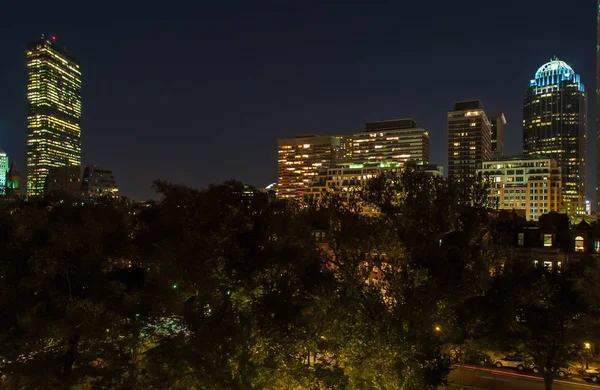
469,139
352,177
345,150
13,181
3,171
53,113
529,186
300,159
398,141
554,126
498,121
64,180
98,182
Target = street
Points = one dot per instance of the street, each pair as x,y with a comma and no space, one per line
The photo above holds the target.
493,379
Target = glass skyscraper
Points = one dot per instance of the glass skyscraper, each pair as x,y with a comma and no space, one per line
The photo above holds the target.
554,126
54,111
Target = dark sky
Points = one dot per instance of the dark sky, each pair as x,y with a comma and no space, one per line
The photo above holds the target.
199,92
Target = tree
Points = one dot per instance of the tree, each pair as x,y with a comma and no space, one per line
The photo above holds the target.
542,313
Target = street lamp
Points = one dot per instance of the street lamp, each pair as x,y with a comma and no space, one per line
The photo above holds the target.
588,348
438,329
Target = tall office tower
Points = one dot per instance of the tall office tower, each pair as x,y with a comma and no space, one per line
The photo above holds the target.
300,159
391,141
53,114
98,182
598,108
3,171
554,126
528,186
498,121
469,139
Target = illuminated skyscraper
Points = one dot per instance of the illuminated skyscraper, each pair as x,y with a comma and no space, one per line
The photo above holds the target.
554,126
469,139
3,171
299,161
54,111
391,141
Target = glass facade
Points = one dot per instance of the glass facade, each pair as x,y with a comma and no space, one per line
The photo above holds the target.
554,126
54,112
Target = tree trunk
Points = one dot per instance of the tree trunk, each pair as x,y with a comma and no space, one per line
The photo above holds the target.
70,356
548,379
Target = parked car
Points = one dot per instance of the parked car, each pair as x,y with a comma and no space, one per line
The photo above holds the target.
513,362
478,358
562,372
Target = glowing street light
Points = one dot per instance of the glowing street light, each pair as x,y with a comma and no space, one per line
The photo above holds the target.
438,329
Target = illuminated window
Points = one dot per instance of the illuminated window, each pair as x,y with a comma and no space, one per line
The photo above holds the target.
579,244
547,239
597,246
548,264
521,239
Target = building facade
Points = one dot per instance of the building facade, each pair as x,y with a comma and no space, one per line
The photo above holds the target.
498,122
529,186
63,180
352,177
300,159
391,141
13,181
469,139
98,182
554,126
3,171
53,114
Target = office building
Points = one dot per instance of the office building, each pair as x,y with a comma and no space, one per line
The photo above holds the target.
98,182
53,113
299,160
530,186
3,171
347,178
344,151
554,126
13,181
498,121
391,141
63,180
469,139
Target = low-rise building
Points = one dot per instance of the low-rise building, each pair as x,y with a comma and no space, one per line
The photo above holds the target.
98,182
529,186
64,180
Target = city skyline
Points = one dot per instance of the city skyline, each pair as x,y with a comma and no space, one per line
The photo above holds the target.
333,88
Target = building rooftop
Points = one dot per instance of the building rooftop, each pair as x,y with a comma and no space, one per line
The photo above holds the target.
468,105
392,124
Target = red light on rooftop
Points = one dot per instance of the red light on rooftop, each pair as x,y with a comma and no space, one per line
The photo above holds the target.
53,38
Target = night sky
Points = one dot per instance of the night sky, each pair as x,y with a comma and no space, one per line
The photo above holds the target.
200,93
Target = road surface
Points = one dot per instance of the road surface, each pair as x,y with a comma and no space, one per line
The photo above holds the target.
493,379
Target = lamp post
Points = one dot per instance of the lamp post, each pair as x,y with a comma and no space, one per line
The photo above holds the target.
588,348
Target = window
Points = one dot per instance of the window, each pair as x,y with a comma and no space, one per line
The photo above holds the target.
521,239
547,239
579,244
548,264
597,246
